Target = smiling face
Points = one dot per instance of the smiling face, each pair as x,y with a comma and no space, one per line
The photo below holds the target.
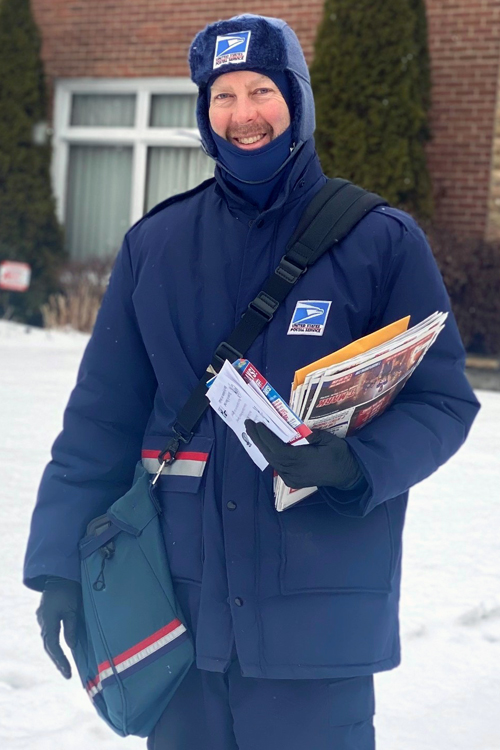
247,109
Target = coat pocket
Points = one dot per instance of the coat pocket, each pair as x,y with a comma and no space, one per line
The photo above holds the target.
322,550
181,489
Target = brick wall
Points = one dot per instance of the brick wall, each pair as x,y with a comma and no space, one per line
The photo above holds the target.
145,37
107,38
493,227
464,40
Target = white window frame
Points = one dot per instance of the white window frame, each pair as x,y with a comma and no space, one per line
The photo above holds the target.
140,137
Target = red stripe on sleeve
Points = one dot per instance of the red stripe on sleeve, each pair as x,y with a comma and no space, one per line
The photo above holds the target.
182,455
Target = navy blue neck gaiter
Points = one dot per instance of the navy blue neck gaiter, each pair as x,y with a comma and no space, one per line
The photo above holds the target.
256,175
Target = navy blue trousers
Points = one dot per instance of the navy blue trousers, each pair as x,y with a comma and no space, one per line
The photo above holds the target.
215,711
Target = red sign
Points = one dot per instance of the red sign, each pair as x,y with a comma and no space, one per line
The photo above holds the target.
14,276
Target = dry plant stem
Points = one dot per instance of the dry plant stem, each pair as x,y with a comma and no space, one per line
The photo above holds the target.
77,306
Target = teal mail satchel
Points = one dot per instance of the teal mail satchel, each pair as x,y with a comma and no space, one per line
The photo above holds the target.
133,649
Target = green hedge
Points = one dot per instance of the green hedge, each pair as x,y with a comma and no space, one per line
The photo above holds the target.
371,84
471,272
29,230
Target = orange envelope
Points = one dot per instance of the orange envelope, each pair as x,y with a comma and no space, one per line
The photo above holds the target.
352,350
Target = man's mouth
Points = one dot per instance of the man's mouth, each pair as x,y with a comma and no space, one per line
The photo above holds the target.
247,140
251,140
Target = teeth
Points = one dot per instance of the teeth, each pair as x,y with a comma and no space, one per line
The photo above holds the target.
253,139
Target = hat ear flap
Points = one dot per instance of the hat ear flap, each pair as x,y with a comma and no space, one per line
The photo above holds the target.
297,107
204,123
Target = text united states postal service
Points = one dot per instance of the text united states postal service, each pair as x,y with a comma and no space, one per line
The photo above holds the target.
309,318
231,48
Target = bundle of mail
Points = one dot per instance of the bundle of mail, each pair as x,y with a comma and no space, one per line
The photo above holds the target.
340,392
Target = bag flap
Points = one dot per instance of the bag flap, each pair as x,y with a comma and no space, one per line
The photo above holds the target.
133,511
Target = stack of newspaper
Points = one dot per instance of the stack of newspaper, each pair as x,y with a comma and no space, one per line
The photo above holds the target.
339,393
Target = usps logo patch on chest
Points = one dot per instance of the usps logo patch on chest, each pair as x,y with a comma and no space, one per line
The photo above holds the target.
309,318
231,48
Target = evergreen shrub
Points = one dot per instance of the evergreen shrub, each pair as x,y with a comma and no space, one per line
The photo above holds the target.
29,230
471,272
371,84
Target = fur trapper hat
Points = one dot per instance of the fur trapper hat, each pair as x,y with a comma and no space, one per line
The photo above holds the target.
251,42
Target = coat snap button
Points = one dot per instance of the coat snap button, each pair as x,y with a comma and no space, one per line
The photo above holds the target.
238,601
231,505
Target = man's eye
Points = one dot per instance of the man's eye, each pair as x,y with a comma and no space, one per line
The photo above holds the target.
222,96
263,91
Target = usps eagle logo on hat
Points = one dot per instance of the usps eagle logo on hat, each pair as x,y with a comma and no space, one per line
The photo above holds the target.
231,48
309,318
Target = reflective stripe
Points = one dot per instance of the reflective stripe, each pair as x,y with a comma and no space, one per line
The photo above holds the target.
159,635
187,463
94,687
135,655
151,649
183,455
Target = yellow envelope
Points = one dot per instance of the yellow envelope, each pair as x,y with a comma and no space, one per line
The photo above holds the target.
352,350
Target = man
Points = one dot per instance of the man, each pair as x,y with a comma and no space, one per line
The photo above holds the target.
292,613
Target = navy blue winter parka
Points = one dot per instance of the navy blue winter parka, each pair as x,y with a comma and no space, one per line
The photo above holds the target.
310,592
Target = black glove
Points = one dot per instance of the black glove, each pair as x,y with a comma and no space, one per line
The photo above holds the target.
61,601
326,462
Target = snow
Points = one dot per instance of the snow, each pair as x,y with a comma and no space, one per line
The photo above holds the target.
443,697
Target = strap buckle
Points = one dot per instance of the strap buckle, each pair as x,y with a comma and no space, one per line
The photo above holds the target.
224,351
264,305
290,271
168,455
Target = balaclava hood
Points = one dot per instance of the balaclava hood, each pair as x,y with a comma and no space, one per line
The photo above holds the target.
251,42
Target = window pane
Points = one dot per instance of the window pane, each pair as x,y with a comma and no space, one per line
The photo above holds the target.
173,170
103,110
173,111
98,200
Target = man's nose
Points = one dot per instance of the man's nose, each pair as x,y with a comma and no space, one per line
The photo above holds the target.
244,111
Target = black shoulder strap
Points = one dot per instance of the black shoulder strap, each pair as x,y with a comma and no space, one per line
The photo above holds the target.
330,216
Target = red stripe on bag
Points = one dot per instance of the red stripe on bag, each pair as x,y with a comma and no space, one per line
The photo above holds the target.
142,644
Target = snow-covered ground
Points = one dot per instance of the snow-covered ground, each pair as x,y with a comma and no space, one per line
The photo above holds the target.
446,694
